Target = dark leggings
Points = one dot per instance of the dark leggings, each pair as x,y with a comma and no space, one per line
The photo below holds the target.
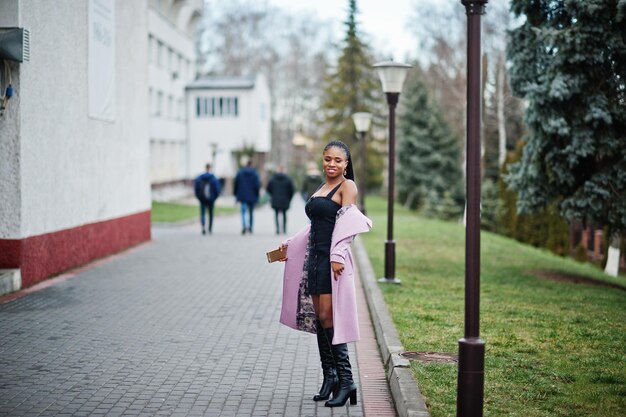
276,216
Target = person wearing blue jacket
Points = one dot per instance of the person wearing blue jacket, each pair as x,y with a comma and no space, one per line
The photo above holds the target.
247,187
207,188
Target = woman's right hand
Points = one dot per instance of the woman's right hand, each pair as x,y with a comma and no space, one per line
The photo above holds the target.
283,247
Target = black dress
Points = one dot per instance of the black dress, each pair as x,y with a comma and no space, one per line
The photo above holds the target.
322,212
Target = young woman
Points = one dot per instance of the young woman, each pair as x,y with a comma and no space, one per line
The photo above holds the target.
318,288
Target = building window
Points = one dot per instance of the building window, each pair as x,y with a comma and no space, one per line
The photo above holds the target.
151,101
150,47
159,105
201,107
160,48
170,60
215,107
201,104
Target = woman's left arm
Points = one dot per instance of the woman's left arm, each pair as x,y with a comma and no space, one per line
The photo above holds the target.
349,193
348,196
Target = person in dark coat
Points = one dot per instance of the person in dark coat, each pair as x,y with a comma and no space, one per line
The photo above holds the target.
247,187
281,190
207,188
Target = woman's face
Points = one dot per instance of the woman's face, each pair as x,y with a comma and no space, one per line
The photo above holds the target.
335,162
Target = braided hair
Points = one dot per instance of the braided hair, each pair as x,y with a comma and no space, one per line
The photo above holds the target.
339,144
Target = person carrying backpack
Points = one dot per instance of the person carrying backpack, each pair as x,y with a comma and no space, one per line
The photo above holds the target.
207,188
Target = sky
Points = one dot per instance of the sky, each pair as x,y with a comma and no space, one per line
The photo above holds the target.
383,20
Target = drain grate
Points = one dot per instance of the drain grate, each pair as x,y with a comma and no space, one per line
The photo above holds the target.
440,357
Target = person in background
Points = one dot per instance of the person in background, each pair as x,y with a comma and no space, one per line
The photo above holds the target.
281,190
247,187
319,293
207,188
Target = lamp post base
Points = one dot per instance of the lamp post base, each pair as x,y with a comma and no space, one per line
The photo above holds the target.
390,262
471,377
390,280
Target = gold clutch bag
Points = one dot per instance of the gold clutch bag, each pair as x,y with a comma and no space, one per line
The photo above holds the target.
276,255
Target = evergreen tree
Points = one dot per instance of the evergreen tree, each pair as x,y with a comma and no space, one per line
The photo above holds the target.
569,63
353,86
491,206
429,173
545,228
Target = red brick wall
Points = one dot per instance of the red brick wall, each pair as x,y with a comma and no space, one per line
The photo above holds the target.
42,256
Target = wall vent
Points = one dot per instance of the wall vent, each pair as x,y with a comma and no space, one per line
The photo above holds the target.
15,44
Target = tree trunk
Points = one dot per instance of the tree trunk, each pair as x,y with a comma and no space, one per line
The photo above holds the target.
500,111
612,263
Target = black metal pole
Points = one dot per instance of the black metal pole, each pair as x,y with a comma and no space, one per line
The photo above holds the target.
471,377
363,174
390,245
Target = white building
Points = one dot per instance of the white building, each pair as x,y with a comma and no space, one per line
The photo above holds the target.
171,28
228,114
74,170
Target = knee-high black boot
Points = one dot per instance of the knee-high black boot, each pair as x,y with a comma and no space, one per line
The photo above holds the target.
347,388
331,381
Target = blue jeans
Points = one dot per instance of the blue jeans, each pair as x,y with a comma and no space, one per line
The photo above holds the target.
250,207
204,207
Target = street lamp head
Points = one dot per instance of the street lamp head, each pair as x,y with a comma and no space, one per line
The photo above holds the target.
362,121
392,75
474,6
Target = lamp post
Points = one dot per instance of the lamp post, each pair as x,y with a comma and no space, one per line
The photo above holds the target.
362,122
471,375
392,75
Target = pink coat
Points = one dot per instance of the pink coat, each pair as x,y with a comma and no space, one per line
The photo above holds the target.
297,308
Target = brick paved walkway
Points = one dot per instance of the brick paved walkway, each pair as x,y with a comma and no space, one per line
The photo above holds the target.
186,325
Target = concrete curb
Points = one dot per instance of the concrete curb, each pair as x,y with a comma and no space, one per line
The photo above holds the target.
404,390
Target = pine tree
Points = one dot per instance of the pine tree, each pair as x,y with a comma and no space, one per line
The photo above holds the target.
353,86
429,173
545,228
569,63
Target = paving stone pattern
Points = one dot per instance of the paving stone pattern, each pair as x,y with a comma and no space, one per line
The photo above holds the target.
186,325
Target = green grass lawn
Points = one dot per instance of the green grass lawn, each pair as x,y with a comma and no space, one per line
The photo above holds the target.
552,348
175,212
